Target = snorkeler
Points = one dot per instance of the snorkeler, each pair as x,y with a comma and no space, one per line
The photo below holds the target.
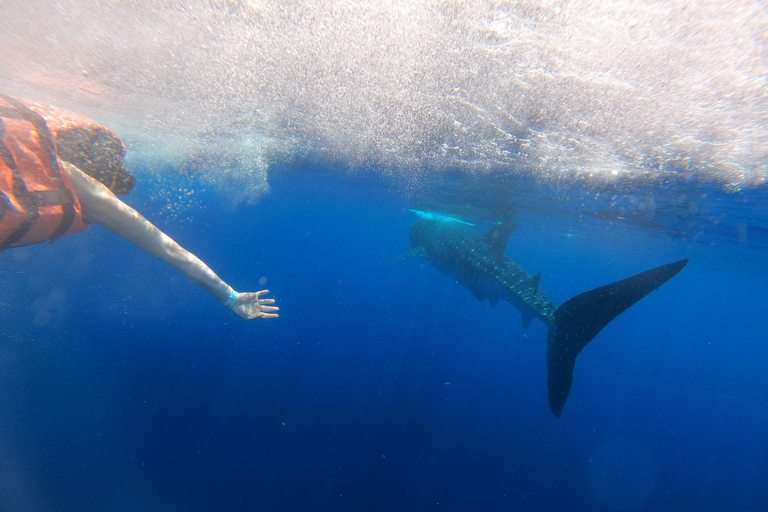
59,173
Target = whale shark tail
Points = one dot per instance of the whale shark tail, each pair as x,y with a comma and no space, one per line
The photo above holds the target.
579,319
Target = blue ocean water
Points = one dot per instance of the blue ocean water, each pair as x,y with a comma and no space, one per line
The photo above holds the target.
288,144
125,387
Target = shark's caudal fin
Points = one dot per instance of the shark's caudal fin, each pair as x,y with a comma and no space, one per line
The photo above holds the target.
579,320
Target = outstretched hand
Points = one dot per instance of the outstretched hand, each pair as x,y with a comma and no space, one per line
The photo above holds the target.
249,306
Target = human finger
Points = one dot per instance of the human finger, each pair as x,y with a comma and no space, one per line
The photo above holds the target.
262,315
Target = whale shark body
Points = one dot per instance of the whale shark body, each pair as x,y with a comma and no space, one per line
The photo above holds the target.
478,262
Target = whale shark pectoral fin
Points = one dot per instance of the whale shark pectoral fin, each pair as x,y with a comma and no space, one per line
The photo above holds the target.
493,301
581,318
498,237
416,251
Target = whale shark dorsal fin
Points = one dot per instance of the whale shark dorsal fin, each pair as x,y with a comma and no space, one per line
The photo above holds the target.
498,237
535,282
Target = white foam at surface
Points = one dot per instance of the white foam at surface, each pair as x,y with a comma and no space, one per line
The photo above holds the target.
548,88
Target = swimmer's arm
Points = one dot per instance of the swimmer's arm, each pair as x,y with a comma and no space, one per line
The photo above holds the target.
102,207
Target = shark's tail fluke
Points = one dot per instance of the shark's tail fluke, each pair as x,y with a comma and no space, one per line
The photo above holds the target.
579,320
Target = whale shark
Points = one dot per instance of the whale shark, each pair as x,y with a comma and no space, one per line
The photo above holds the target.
477,261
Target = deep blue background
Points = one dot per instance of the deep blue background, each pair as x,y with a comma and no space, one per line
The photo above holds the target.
125,387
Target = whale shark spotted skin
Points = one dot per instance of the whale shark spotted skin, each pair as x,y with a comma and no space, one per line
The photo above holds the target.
477,261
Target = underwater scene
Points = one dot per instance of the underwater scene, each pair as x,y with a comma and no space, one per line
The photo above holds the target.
518,251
